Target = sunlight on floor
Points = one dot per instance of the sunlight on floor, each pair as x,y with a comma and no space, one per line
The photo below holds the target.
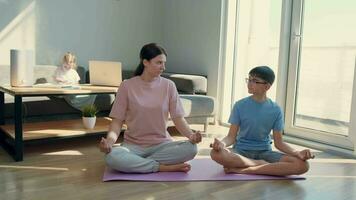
65,153
322,176
56,132
325,160
33,167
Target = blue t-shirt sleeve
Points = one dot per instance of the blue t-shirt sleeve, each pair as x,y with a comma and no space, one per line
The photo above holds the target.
279,123
235,115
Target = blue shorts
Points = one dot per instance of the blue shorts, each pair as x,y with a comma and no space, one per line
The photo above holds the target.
266,155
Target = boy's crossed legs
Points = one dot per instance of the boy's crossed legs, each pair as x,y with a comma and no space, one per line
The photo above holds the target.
236,163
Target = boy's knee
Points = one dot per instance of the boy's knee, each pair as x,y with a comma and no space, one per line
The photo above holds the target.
213,154
216,156
302,167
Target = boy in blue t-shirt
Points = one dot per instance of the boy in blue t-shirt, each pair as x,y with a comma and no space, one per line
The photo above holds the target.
252,120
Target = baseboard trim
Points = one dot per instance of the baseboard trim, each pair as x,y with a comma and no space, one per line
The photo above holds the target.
320,146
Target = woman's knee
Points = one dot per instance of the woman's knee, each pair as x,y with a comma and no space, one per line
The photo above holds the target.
115,158
191,150
183,151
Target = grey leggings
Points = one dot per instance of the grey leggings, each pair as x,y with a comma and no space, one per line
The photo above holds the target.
132,158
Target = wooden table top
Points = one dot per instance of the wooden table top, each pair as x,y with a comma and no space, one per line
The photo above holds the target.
38,91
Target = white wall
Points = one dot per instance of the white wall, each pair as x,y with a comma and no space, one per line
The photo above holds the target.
92,29
17,27
115,30
191,37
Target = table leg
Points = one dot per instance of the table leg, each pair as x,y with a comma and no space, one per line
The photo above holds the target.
18,129
2,119
2,108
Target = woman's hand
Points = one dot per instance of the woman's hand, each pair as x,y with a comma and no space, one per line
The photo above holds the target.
195,137
105,145
217,145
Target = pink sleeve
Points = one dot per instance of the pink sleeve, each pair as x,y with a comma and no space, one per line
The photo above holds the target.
175,105
119,107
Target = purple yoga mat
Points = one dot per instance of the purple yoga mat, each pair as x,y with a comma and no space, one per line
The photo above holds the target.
202,169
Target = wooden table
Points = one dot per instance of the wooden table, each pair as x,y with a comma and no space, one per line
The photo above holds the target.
12,136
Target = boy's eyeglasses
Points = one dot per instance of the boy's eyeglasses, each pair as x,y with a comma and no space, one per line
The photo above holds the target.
255,81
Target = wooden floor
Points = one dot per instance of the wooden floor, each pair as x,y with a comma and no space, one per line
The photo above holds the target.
73,169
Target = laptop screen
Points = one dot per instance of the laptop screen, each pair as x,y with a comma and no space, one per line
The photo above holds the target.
105,73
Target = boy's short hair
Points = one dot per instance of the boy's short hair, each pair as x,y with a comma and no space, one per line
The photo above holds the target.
263,72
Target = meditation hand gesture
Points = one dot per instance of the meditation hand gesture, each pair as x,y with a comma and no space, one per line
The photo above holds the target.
105,145
195,137
217,145
304,154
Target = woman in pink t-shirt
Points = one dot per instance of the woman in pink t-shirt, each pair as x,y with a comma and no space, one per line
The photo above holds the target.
145,103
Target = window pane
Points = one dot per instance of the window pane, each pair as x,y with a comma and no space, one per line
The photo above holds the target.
326,66
258,41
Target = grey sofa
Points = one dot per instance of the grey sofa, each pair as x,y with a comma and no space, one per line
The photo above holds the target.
199,108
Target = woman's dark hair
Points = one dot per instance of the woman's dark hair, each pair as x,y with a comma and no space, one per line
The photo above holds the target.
148,52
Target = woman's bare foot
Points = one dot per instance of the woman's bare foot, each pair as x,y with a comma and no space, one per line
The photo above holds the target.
181,167
234,170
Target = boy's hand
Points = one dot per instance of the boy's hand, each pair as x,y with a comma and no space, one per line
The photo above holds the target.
217,145
305,154
195,137
105,146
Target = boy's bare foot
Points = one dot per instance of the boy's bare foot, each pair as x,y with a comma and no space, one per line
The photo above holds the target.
181,167
234,170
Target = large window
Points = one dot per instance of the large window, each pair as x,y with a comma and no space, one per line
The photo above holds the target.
312,50
326,66
325,43
253,40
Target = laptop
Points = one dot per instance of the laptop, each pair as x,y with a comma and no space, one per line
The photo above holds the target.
105,73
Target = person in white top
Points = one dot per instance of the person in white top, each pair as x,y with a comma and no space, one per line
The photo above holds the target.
67,74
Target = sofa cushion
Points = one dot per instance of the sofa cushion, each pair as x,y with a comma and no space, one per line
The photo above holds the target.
4,75
185,83
42,107
198,105
188,84
44,72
